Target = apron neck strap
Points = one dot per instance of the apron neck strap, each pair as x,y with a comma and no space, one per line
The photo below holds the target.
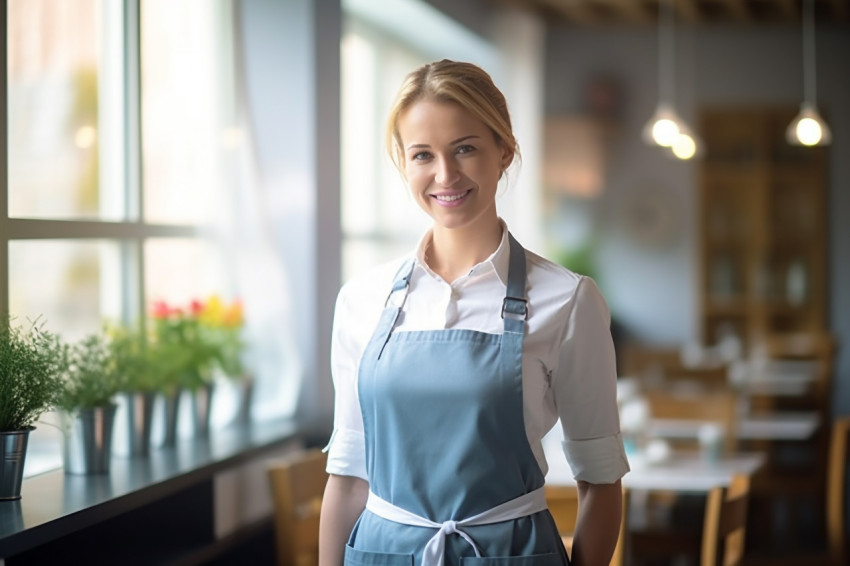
401,283
515,306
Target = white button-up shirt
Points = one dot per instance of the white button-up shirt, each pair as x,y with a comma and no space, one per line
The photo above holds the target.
569,368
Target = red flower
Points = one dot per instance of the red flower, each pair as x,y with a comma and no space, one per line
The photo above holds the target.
161,310
197,307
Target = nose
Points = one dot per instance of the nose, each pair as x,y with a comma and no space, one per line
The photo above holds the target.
447,171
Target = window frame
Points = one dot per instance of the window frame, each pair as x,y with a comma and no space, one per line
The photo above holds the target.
130,233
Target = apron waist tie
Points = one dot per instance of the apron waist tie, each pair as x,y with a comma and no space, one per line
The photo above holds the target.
433,554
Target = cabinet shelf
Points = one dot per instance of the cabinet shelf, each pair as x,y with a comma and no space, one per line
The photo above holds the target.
719,306
762,226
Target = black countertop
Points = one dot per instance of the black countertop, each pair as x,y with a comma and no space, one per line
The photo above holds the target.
55,504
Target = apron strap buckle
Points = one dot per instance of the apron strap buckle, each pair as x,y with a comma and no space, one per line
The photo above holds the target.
516,307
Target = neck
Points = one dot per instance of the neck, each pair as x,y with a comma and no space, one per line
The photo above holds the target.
453,253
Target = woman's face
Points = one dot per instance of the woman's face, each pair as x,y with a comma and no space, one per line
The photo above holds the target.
452,163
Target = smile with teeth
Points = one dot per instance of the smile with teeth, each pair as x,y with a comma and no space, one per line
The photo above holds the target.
452,198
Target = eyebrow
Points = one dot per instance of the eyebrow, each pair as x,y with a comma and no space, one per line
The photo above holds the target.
453,142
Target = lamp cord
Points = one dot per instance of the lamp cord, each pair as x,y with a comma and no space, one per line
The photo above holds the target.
809,59
666,56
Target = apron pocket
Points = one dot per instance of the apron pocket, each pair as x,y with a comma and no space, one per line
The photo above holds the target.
553,559
354,557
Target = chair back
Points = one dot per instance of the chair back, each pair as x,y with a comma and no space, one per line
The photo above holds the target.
563,505
642,360
725,523
701,377
297,485
716,406
836,478
817,348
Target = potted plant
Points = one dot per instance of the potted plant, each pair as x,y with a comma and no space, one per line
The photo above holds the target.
164,363
223,324
186,346
31,365
87,402
139,379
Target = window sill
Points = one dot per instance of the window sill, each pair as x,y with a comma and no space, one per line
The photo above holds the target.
179,480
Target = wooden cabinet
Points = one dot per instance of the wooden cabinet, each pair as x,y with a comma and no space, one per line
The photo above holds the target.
763,227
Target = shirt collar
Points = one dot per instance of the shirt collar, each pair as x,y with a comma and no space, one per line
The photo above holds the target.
498,261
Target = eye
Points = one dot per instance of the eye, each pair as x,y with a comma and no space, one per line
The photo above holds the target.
465,149
421,156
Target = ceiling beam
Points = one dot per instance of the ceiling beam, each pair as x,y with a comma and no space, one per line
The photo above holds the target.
788,8
687,10
737,10
633,10
574,11
840,9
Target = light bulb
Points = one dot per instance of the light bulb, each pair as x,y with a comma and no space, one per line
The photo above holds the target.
808,131
663,127
808,128
684,147
665,131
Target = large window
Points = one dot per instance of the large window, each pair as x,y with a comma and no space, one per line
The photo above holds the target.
122,138
380,220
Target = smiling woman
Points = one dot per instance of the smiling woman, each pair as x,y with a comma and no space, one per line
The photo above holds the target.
473,339
452,164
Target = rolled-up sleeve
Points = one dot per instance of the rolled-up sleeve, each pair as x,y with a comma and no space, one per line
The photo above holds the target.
346,448
585,389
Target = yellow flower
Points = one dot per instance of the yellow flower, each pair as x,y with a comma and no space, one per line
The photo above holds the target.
212,313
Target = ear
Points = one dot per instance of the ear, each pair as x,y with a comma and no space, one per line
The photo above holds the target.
507,157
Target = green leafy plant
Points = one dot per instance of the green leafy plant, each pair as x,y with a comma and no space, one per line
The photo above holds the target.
32,362
93,377
184,345
135,364
166,364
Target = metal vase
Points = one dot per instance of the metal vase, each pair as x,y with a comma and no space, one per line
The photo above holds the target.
135,416
88,440
167,403
246,399
13,448
200,407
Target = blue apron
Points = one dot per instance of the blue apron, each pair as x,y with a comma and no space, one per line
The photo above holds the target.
452,476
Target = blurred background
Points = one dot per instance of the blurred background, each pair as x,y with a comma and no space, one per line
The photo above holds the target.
169,150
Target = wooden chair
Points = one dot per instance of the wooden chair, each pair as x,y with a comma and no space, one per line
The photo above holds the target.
835,490
297,485
642,359
563,504
793,478
716,406
725,524
702,377
835,553
713,533
818,348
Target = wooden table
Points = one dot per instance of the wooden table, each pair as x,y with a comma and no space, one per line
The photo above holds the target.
778,425
681,471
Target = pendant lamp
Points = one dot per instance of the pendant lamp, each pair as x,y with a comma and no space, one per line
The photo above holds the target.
665,128
808,128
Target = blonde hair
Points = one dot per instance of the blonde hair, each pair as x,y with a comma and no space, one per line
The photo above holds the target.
451,81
